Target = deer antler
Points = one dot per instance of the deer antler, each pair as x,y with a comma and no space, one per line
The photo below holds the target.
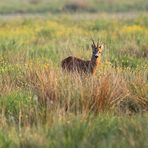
97,44
93,43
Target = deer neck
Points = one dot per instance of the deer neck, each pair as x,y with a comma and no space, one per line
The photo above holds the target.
94,63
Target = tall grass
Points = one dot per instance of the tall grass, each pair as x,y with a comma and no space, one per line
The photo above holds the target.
41,105
44,90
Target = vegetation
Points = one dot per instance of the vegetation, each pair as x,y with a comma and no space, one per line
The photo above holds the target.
42,106
58,6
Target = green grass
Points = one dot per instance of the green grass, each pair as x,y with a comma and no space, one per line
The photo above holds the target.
104,130
40,106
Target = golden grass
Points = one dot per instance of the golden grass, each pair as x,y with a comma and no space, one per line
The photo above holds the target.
76,93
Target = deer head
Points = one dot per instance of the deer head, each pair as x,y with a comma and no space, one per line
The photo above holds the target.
96,49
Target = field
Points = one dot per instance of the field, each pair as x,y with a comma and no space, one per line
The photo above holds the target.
42,106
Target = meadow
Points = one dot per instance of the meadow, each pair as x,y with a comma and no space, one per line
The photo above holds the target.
42,106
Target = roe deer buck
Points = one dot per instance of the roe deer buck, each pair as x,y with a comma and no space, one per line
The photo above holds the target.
81,66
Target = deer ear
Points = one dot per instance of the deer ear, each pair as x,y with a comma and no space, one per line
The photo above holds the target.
101,47
92,46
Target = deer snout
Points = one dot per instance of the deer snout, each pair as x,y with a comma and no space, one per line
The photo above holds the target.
96,55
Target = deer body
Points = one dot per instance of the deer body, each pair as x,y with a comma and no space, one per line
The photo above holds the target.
72,64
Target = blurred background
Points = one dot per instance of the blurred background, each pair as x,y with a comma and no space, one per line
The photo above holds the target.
58,6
